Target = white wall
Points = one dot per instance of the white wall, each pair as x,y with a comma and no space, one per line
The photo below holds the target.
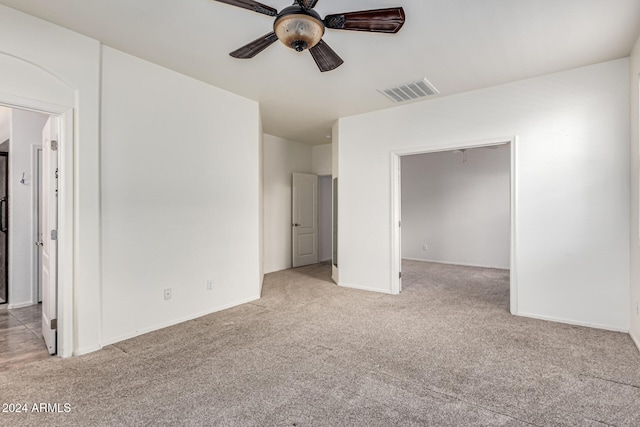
261,203
460,210
335,170
26,132
47,66
321,159
634,238
281,158
572,186
180,197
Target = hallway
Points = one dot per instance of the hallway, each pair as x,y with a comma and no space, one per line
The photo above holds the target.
21,337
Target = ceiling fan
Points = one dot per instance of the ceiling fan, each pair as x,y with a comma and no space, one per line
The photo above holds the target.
299,27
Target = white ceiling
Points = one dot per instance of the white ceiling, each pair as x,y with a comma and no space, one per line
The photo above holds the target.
458,45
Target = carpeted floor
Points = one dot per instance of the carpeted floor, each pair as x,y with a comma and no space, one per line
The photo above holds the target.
446,352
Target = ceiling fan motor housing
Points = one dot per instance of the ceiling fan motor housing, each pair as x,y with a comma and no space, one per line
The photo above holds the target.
298,28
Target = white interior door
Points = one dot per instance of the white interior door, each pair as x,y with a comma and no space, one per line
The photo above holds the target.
49,239
37,180
304,216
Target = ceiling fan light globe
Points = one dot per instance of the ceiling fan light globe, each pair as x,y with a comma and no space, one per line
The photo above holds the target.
299,31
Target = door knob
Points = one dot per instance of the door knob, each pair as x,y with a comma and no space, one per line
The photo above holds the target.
39,243
296,225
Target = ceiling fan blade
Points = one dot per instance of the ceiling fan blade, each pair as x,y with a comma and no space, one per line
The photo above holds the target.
325,57
377,21
308,4
255,47
252,5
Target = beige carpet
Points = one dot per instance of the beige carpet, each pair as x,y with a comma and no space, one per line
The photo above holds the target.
446,352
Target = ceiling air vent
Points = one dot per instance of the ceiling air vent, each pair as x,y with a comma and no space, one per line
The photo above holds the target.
410,91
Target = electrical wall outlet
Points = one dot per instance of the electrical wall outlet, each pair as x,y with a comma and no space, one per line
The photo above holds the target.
424,247
209,284
167,293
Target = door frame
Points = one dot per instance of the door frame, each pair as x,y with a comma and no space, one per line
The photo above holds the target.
330,236
36,150
5,304
66,216
396,202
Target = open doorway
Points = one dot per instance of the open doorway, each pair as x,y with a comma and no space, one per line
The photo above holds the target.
325,218
454,206
37,84
29,210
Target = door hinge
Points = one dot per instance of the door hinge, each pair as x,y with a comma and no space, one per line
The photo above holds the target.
54,145
54,234
54,324
399,223
400,275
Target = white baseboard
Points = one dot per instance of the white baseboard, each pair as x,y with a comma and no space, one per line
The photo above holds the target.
20,305
163,325
636,341
276,269
572,322
456,263
364,288
86,350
